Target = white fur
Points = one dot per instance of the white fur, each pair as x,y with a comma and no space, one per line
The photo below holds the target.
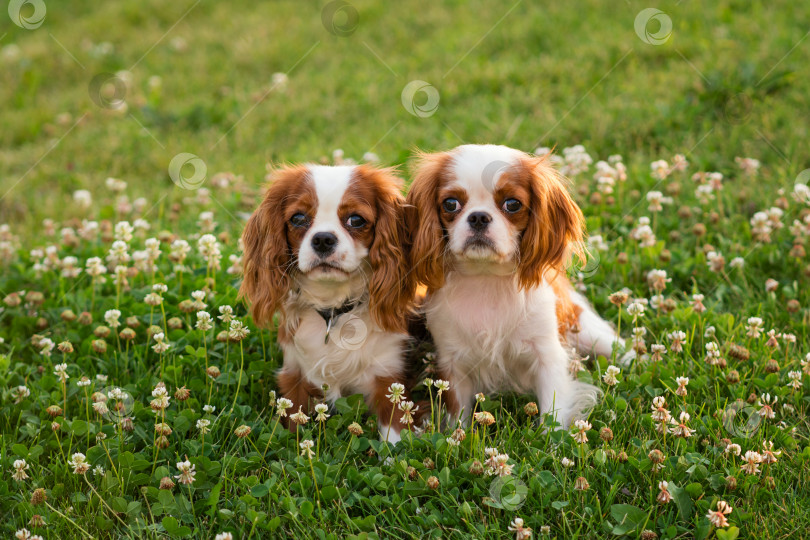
478,173
330,185
358,350
490,334
596,337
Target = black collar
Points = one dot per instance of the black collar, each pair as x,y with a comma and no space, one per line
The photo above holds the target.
330,314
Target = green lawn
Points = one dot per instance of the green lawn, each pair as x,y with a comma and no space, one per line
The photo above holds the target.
729,81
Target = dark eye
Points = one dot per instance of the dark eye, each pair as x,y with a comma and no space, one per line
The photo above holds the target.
355,221
510,206
451,205
299,220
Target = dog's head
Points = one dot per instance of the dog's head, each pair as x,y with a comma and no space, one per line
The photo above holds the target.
489,209
333,233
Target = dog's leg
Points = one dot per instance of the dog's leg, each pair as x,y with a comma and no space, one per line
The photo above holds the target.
299,390
595,336
388,416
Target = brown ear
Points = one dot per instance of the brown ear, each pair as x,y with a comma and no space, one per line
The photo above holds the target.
390,293
555,226
426,241
267,255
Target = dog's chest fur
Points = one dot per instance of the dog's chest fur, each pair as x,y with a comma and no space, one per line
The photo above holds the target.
348,361
487,329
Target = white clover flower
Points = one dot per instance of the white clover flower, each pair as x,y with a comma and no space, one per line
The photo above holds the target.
20,468
79,463
321,409
187,472
237,330
226,314
396,391
83,199
112,316
123,231
442,386
610,376
46,346
204,321
635,309
203,425
160,346
282,405
306,448
60,370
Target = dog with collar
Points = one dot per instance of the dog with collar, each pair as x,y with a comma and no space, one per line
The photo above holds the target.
324,251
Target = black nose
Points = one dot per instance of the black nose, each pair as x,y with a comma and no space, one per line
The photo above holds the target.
479,220
324,243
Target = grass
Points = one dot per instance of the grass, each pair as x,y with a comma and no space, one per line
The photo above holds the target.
728,83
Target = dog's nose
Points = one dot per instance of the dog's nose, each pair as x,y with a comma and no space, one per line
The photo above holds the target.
324,243
479,220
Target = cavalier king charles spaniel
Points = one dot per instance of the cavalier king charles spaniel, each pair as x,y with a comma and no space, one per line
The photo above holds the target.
490,231
324,250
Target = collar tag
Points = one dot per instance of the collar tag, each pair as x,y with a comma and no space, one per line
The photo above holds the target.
328,328
330,315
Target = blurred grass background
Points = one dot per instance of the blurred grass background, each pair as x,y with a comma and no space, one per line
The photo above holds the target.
730,81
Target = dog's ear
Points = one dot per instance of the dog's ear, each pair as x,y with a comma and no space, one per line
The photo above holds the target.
556,224
390,292
426,241
267,255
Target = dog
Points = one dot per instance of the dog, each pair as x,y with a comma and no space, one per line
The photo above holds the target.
324,250
490,232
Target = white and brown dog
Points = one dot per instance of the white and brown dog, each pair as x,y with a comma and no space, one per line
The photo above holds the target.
490,232
324,250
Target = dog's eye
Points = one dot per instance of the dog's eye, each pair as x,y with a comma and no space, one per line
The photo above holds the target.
451,205
355,221
299,220
510,206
